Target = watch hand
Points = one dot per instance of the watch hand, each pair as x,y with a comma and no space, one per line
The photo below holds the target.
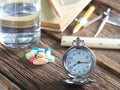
80,63
84,62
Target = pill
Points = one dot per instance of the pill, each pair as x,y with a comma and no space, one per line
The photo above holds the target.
35,49
41,50
32,59
29,55
40,55
48,51
50,58
40,61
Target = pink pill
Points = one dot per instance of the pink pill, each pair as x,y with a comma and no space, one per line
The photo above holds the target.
32,59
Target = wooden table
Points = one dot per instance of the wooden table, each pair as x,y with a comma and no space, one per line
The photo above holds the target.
17,73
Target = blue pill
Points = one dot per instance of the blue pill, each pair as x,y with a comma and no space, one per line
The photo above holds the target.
48,49
50,58
41,50
35,48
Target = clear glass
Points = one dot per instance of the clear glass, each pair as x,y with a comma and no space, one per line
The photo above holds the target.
20,24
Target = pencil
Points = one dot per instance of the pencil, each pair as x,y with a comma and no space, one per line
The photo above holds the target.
55,8
84,19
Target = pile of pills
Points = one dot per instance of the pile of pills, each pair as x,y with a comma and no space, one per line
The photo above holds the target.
39,56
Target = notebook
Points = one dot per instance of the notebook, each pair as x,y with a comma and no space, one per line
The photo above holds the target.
50,21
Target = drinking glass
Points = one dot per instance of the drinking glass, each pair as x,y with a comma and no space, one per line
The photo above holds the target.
20,24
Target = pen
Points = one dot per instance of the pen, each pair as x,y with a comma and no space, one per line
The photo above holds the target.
82,21
55,8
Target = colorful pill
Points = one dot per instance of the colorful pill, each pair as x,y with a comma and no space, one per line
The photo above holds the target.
35,49
29,55
40,55
50,58
48,51
32,59
41,50
40,61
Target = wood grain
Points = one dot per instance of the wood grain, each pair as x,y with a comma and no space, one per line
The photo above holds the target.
49,76
6,84
18,73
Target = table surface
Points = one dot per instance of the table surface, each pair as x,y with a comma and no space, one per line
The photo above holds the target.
16,73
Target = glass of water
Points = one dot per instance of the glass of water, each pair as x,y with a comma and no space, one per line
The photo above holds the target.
20,22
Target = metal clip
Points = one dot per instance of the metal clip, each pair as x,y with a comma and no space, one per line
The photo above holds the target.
78,42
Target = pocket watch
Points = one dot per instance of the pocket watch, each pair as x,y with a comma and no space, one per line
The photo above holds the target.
78,62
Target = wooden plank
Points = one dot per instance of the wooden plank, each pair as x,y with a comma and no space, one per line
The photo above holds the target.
6,84
112,3
108,62
49,76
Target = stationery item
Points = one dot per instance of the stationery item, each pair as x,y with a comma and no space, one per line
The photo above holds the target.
94,20
54,7
67,2
52,22
103,22
82,21
105,43
115,20
78,62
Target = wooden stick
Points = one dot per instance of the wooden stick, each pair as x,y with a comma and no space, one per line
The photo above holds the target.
55,8
105,43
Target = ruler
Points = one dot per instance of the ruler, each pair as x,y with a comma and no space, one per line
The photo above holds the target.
106,43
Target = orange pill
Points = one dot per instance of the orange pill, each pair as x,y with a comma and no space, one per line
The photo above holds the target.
40,61
41,55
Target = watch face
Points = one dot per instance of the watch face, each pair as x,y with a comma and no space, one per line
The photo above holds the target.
79,61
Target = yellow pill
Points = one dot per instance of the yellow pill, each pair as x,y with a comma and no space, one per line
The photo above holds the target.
41,55
40,61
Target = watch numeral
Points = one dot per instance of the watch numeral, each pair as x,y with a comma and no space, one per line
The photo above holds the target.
70,57
73,54
83,54
71,67
78,52
69,62
74,70
84,70
87,67
87,57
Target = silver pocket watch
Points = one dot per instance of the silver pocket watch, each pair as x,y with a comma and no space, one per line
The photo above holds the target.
78,62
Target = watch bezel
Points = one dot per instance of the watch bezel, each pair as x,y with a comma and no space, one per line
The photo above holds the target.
83,48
